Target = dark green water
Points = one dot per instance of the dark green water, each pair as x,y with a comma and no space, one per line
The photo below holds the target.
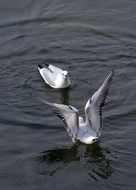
89,39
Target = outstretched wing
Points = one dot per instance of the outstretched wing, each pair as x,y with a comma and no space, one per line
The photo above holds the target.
69,115
94,105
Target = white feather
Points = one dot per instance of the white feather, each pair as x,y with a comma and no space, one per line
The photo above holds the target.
54,76
89,131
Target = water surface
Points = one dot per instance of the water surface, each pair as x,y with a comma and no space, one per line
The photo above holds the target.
89,39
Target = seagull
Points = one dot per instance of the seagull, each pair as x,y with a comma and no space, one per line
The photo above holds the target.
89,130
54,76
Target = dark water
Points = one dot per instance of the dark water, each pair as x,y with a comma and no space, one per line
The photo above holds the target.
89,39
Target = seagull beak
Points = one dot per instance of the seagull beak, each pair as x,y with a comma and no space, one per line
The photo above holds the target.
65,73
94,140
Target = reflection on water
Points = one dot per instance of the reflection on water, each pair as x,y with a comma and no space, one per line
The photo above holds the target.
100,165
91,159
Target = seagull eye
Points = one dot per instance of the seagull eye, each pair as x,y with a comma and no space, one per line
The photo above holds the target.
64,74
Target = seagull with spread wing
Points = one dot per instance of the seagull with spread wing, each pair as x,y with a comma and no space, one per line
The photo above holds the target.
87,131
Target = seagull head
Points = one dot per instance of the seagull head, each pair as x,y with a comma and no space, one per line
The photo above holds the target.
95,139
65,73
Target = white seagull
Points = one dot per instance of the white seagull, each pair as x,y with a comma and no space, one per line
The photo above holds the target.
54,76
87,131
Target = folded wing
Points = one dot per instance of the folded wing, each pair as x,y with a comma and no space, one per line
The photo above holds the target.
55,69
48,76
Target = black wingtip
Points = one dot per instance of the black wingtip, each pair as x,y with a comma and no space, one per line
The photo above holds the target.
112,71
47,65
40,67
110,75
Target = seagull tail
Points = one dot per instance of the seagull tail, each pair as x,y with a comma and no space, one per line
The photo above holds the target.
40,67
